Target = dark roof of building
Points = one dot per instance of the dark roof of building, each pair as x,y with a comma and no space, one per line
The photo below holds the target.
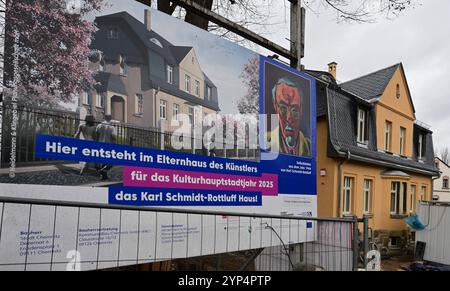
208,81
143,34
321,76
171,53
180,52
325,78
372,85
342,108
109,82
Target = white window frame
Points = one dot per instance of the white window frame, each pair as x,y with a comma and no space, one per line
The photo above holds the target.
402,140
423,191
162,109
170,75
399,193
394,197
362,118
102,63
123,64
139,104
99,100
412,197
187,83
421,145
403,198
208,93
445,183
197,88
86,98
347,196
367,196
175,111
191,114
387,135
114,34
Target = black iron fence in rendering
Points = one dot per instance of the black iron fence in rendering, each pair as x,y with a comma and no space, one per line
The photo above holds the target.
33,120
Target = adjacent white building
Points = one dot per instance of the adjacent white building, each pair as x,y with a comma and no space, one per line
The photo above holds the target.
441,186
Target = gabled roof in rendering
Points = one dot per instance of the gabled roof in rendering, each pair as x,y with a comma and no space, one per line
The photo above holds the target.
109,82
172,54
180,52
372,85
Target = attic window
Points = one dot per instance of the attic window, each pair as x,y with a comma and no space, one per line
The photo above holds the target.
397,93
113,33
326,78
363,127
157,42
421,147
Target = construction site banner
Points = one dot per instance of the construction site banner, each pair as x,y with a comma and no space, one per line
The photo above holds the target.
115,103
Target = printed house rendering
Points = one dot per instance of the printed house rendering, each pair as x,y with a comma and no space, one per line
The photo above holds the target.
143,78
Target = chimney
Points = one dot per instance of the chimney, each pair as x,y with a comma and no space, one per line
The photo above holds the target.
332,67
148,19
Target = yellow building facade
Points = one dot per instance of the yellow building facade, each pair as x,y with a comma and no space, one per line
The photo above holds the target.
373,157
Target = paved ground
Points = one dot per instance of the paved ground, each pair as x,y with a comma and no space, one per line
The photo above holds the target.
68,174
396,263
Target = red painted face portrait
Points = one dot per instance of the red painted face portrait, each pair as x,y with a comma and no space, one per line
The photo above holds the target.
288,107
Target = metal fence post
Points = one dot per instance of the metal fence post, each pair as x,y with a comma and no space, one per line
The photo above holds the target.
355,243
365,238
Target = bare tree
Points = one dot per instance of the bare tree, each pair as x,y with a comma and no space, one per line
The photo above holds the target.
251,13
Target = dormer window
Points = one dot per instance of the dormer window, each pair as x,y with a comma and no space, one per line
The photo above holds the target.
362,129
402,140
421,147
387,135
123,65
208,93
157,42
187,83
113,33
102,63
169,74
197,88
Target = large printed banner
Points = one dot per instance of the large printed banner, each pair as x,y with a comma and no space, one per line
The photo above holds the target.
146,110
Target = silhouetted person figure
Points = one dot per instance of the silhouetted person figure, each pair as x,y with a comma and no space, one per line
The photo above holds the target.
106,132
86,131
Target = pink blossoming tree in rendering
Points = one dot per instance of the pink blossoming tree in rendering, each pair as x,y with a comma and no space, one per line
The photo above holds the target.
52,48
249,103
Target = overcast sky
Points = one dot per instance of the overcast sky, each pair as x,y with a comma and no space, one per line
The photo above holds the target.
420,39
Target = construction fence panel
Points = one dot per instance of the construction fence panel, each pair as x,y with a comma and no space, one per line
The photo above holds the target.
436,235
48,235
